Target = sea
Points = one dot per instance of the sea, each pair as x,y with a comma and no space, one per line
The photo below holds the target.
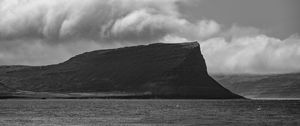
148,112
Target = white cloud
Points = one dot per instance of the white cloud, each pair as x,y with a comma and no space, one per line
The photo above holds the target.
236,31
257,54
97,20
173,39
39,32
207,28
39,26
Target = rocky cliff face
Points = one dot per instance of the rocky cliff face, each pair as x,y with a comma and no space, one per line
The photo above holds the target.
163,70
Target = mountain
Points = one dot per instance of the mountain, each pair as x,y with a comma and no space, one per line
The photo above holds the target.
262,86
5,89
156,70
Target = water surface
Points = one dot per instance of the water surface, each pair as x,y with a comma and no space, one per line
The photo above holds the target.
149,112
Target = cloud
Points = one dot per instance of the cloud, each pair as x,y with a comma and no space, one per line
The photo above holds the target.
236,31
126,20
39,53
256,54
39,32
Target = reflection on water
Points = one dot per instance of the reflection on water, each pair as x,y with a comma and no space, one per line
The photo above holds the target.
149,112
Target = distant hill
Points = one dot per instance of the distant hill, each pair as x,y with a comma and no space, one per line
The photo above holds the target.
262,86
158,70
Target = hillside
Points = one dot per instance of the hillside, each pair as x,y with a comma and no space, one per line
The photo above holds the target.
262,86
160,70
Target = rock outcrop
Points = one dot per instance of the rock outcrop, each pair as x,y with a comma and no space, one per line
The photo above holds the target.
160,70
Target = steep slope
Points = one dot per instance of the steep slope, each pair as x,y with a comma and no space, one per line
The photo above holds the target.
262,86
163,70
5,89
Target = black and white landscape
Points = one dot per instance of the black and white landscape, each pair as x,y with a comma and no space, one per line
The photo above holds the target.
149,62
147,71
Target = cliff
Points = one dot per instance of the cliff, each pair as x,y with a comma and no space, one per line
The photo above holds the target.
160,70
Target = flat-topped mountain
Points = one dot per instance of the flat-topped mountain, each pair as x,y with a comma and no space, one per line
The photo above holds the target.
160,70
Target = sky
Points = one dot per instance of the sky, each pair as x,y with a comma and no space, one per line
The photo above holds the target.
236,36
